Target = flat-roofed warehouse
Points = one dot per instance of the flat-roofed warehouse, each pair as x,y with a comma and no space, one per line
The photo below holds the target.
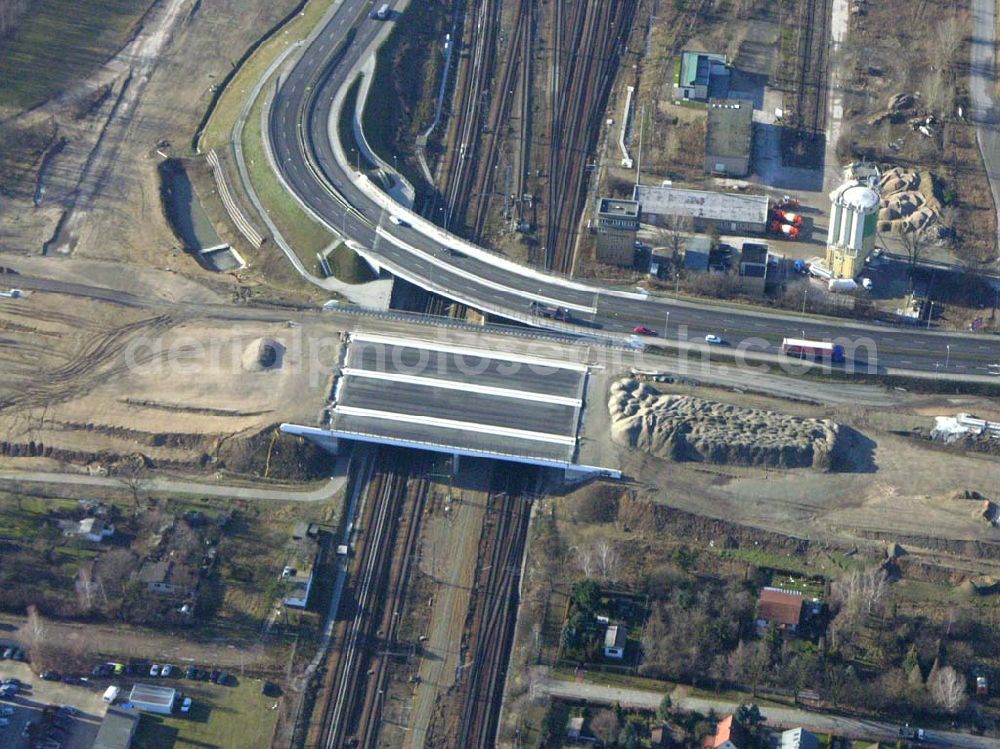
729,137
153,699
730,213
458,399
117,729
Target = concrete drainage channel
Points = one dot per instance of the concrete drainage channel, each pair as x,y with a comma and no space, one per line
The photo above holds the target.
189,221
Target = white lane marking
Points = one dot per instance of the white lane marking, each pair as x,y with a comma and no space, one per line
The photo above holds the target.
466,426
527,395
480,279
448,348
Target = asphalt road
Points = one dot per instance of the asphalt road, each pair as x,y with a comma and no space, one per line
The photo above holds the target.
299,136
783,717
982,79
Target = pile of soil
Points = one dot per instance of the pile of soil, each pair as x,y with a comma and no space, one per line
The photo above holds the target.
681,427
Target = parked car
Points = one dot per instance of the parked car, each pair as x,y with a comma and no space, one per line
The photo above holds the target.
225,679
68,710
8,653
4,722
186,705
75,680
154,670
137,669
214,676
906,731
117,668
6,712
713,339
51,676
397,220
102,670
26,731
191,673
167,670
12,682
643,330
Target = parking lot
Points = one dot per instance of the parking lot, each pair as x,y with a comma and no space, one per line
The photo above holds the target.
225,708
29,704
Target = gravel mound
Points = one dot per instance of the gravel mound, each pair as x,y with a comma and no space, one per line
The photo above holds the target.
680,427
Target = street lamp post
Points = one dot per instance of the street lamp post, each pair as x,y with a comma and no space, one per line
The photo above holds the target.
947,358
666,323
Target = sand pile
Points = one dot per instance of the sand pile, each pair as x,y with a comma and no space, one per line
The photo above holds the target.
909,204
262,354
680,427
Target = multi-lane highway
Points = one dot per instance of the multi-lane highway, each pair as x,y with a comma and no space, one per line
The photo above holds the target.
323,179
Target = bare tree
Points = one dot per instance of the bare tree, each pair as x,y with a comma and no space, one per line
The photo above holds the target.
936,91
86,588
34,633
114,570
857,590
674,237
950,34
134,480
607,558
10,15
585,558
605,727
913,243
948,689
875,582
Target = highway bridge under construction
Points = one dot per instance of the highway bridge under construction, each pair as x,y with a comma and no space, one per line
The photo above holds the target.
464,400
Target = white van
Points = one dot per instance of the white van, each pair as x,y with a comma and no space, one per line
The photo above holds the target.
111,694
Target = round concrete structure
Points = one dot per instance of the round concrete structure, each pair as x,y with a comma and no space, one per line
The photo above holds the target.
860,198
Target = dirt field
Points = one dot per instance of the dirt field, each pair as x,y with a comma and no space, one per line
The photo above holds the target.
93,379
891,488
95,151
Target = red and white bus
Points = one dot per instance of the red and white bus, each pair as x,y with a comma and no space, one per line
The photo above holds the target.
803,349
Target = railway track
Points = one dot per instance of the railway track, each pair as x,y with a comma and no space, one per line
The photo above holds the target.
518,57
590,38
809,116
494,614
498,85
474,86
367,641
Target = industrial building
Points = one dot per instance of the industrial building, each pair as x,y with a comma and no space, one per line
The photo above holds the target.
617,224
753,267
153,699
853,221
729,213
729,137
697,254
300,562
701,75
117,729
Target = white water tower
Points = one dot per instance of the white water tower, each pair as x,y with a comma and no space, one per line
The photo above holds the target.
853,220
